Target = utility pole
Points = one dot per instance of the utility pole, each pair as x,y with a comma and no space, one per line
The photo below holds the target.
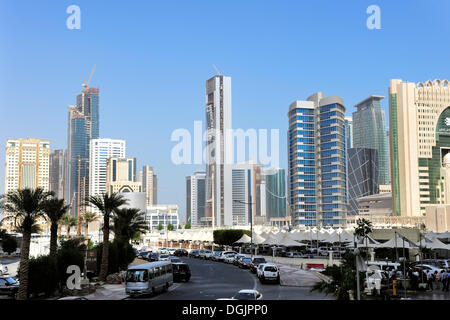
251,222
79,159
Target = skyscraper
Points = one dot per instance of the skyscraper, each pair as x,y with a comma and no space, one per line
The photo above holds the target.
369,131
57,173
83,125
195,198
246,192
419,145
121,175
348,132
100,151
362,175
317,161
275,189
150,185
218,173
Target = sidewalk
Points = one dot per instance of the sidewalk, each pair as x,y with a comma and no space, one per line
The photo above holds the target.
108,292
296,277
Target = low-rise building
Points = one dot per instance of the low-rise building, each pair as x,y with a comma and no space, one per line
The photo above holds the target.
162,215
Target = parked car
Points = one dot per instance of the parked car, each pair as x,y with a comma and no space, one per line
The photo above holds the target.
255,263
229,258
223,253
181,253
438,263
237,257
244,263
162,250
248,295
215,256
428,267
153,256
269,272
3,269
208,254
323,251
376,279
259,269
143,254
181,272
9,286
295,255
171,251
194,253
164,257
175,260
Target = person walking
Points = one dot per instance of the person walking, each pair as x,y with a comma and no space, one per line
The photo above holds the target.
443,278
436,279
430,280
445,281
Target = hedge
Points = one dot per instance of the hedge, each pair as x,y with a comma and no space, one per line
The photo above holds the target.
229,236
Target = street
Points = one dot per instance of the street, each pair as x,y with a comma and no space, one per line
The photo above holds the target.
212,280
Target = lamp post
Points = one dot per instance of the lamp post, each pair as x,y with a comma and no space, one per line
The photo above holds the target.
251,222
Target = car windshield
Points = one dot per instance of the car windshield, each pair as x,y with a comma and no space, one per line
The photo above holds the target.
245,296
137,276
246,259
259,260
164,255
10,280
182,267
207,251
270,269
174,260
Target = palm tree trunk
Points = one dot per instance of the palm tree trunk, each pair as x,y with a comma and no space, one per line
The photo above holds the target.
53,239
59,230
105,252
68,231
23,271
86,231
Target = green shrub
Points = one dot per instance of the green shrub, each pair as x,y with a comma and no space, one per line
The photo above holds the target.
71,252
228,237
9,244
43,275
120,256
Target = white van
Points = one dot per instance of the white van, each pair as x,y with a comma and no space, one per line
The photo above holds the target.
384,266
149,278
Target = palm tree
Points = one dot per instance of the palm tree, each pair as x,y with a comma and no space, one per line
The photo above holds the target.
68,221
25,207
128,222
54,209
363,229
88,217
107,204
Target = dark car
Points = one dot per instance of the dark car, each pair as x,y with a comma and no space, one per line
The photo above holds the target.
237,258
194,253
143,254
181,272
181,253
8,286
175,260
152,256
255,263
244,263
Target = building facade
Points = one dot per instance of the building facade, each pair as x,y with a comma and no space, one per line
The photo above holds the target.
317,161
150,185
275,190
420,143
161,216
195,198
348,132
83,125
218,209
362,175
121,175
246,192
56,183
369,131
99,152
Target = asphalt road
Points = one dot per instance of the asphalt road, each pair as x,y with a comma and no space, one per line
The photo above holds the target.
211,280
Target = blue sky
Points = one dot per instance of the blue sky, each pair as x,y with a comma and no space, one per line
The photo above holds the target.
153,58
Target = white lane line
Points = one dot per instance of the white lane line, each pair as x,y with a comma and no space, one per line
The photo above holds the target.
174,286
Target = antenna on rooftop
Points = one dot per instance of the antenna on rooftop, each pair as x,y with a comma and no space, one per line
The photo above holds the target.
217,70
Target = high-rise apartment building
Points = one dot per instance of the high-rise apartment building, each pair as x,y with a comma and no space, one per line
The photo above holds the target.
246,192
195,198
83,125
99,152
121,175
275,189
149,182
27,164
369,131
56,177
362,172
348,132
218,147
317,161
419,145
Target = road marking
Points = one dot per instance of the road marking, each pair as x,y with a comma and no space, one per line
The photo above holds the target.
174,286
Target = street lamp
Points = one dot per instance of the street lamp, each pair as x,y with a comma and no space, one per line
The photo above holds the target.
251,222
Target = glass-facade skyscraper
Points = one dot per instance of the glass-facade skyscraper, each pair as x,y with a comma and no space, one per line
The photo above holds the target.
369,131
83,125
317,161
275,193
362,175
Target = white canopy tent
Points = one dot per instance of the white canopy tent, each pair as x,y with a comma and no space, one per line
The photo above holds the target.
244,239
433,243
397,242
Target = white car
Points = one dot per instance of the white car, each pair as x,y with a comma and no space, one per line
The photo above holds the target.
223,254
208,254
171,251
229,258
162,250
248,295
259,269
164,257
269,272
3,269
428,267
294,255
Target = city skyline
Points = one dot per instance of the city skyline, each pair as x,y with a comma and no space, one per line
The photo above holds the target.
258,83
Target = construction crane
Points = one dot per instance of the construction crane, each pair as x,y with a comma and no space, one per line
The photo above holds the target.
217,70
86,84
